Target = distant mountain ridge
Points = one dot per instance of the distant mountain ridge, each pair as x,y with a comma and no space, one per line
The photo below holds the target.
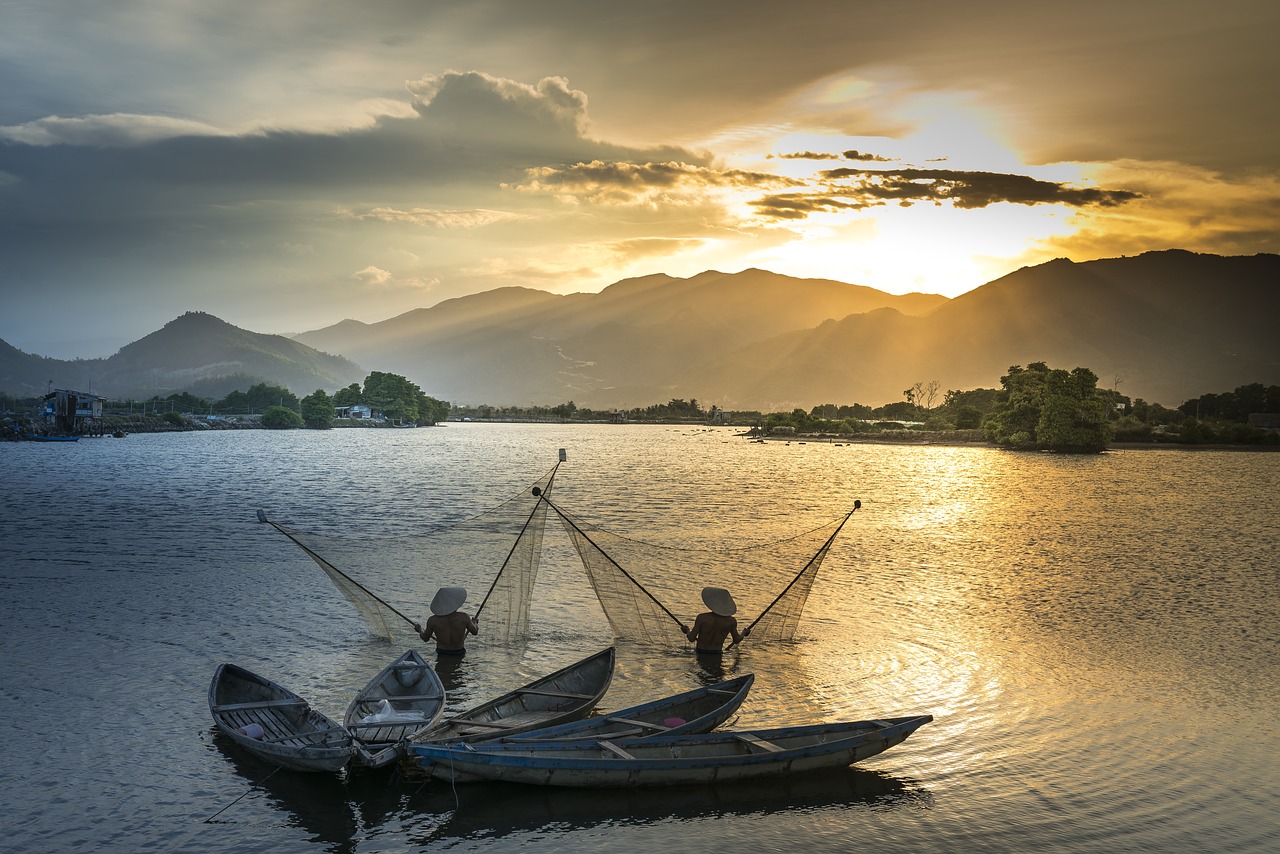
1164,326
196,352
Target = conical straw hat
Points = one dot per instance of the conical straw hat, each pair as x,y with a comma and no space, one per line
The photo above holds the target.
447,600
719,601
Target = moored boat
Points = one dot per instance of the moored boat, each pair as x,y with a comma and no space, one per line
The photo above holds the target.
275,724
700,710
405,697
568,694
669,760
41,437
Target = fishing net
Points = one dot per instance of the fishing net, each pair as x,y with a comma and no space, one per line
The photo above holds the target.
648,591
390,579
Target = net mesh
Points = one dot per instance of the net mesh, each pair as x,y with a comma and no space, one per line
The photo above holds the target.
391,579
648,591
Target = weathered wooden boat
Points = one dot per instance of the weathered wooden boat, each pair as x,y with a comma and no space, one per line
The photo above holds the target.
275,724
669,760
404,698
568,694
700,710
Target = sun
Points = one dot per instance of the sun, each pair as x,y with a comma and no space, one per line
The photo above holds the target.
904,246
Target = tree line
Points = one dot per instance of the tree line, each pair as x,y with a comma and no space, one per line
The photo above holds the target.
1036,408
395,397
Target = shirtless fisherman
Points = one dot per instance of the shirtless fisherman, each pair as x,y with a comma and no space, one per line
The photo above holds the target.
712,627
447,624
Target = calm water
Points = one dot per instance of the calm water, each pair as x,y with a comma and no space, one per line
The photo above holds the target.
1096,638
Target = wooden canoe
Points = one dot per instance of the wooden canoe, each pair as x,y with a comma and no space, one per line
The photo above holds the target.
566,695
404,698
700,710
669,760
275,724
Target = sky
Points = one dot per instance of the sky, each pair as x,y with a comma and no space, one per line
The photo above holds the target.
289,164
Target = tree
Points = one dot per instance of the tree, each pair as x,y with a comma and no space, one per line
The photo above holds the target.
565,410
349,396
430,410
317,410
967,418
394,395
1046,409
281,418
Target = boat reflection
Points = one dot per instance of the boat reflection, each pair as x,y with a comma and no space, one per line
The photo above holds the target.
315,803
495,810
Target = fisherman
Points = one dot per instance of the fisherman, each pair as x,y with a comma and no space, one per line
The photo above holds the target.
447,624
712,627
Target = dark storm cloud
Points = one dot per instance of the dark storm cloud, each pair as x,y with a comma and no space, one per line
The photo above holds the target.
628,178
963,189
854,154
802,205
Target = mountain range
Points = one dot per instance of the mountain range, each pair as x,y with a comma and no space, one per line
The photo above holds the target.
1164,326
196,352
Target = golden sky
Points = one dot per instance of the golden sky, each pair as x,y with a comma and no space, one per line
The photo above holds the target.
287,165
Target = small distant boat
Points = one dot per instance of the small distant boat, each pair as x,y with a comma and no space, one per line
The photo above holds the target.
569,694
700,710
275,724
119,434
405,697
37,437
671,760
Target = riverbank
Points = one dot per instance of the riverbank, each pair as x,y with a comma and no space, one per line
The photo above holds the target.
973,438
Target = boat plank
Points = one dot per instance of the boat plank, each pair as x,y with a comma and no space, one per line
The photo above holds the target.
615,749
756,741
259,704
542,693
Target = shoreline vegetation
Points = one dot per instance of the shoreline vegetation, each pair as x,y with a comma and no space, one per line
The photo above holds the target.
1037,408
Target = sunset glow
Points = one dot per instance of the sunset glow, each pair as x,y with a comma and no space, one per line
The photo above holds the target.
373,164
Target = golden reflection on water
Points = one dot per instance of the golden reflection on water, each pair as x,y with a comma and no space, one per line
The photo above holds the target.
1029,602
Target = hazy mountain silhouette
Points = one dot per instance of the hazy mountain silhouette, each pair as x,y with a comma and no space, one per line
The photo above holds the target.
634,343
1163,326
197,352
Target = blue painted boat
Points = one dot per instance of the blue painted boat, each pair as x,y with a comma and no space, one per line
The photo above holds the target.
36,437
669,760
700,710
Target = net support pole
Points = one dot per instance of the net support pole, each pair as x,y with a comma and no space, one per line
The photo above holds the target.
262,517
628,575
825,546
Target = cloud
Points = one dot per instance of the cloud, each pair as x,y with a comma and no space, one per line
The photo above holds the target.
805,155
854,189
854,154
802,205
477,98
1181,207
444,219
603,182
108,131
372,276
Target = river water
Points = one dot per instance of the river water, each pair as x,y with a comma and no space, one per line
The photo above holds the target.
1096,638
